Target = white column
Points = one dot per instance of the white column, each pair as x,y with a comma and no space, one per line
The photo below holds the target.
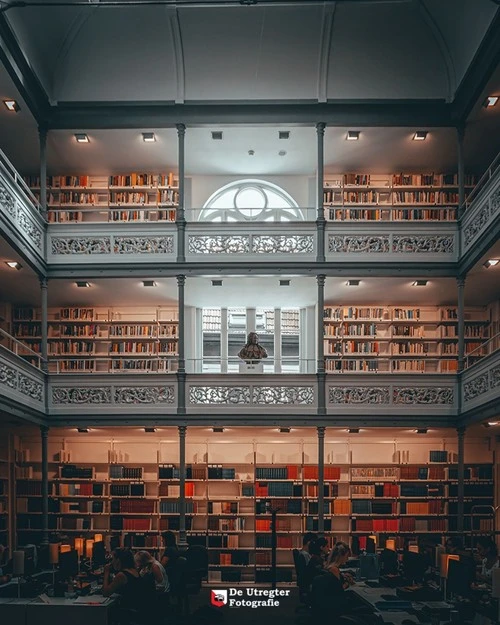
223,340
251,320
277,340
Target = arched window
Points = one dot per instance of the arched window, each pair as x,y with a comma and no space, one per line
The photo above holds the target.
250,200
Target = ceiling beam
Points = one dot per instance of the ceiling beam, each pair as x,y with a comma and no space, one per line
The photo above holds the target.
22,74
108,115
479,72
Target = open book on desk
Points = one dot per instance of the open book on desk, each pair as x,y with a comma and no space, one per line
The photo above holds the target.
92,600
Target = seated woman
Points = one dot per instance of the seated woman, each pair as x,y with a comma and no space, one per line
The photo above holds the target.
148,565
327,592
137,593
488,553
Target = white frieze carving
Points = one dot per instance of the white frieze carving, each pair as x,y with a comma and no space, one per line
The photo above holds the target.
144,395
281,244
283,395
19,381
7,200
358,243
495,202
81,245
82,395
495,377
481,218
423,244
144,245
423,395
476,386
213,244
27,224
359,395
8,376
228,395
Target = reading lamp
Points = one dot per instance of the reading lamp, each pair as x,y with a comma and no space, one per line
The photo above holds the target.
444,564
390,544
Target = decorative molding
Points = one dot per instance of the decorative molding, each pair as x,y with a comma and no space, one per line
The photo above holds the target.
16,380
477,386
222,395
7,200
423,244
283,395
144,395
352,244
282,244
81,245
213,244
144,245
495,202
27,224
427,395
359,395
478,220
81,395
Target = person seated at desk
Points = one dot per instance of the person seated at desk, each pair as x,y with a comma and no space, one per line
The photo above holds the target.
307,539
327,594
148,565
488,553
137,593
454,545
316,564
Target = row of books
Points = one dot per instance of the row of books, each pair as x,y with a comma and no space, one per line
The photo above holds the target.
143,506
117,471
173,507
127,490
375,525
216,524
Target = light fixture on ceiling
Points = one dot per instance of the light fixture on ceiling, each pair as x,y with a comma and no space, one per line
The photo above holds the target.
353,430
217,430
217,135
81,137
352,135
420,431
251,152
282,153
82,284
285,430
283,134
353,282
13,264
216,282
150,430
419,283
149,283
284,282
148,137
12,106
83,430
420,135
490,101
493,423
491,262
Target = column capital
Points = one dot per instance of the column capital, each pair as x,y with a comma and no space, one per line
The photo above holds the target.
181,129
44,282
320,128
461,282
321,280
44,431
321,431
42,132
461,431
461,132
181,280
182,430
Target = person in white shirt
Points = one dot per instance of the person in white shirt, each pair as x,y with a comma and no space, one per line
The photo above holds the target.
148,565
488,553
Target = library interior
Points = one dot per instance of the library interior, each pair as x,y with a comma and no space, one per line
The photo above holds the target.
292,414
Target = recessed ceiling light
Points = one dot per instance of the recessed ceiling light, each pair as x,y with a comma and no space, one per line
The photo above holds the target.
81,137
283,134
420,135
285,430
217,430
353,430
150,430
148,137
82,285
491,262
12,106
284,282
217,135
420,431
493,423
353,282
490,101
282,153
352,135
83,430
216,282
149,283
13,264
419,283
251,152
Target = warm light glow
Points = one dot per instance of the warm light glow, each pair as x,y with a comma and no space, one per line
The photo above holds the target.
82,138
79,546
12,106
420,135
65,548
413,548
13,264
88,548
390,544
492,262
374,538
352,135
53,553
445,559
148,137
98,538
490,101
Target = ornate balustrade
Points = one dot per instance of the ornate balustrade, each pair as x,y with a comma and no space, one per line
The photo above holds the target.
480,384
21,383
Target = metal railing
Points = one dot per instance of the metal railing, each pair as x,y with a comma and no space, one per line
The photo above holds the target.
20,349
286,364
485,349
485,178
10,171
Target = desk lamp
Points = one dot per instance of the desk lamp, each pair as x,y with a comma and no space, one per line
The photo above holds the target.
79,550
89,545
54,559
443,568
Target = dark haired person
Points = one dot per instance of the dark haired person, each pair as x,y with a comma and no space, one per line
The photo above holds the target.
454,545
307,539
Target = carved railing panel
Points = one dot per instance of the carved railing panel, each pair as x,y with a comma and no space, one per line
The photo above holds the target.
481,382
21,382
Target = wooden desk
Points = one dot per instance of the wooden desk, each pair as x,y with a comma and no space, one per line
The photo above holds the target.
372,595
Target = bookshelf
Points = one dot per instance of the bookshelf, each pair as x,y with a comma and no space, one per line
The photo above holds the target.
104,340
399,490
392,197
116,198
396,339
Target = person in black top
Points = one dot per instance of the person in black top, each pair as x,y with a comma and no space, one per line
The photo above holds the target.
315,566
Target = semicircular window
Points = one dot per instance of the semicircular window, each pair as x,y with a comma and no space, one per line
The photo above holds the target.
250,200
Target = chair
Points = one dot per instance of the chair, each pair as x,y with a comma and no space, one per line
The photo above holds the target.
301,573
